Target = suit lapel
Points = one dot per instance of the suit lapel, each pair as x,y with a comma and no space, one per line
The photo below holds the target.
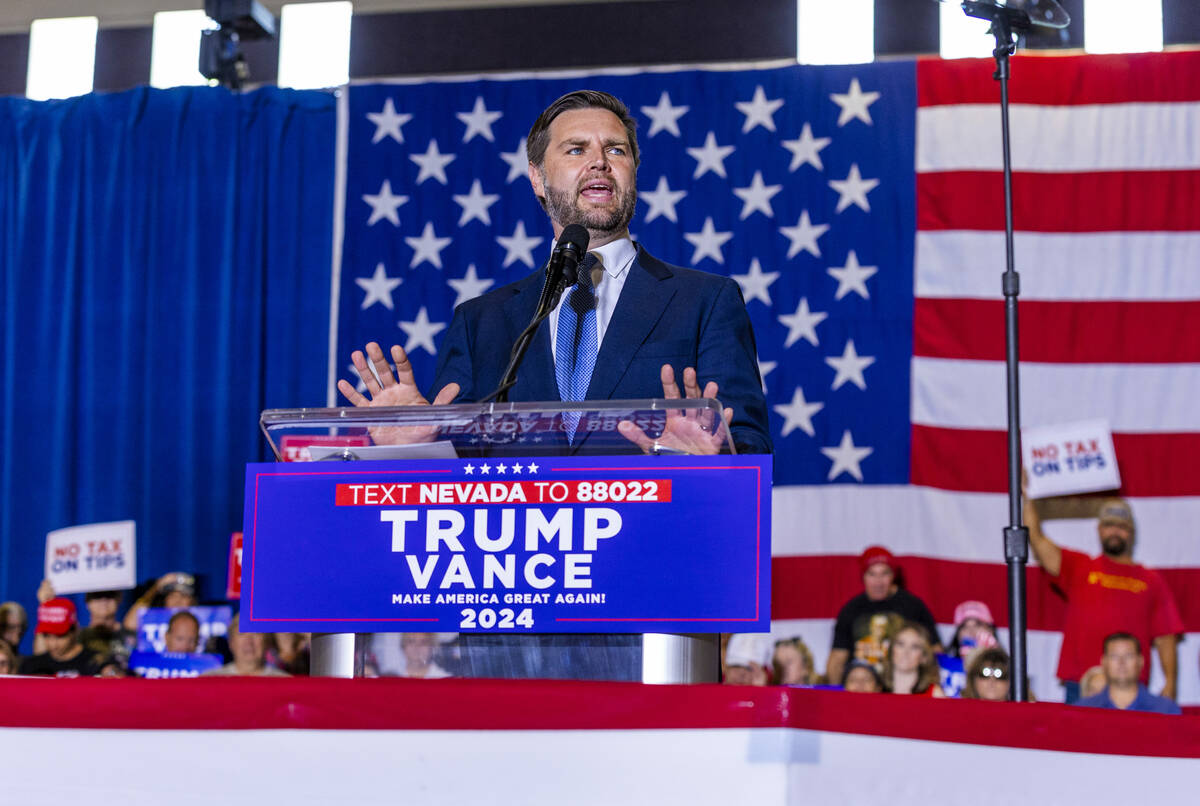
536,379
643,300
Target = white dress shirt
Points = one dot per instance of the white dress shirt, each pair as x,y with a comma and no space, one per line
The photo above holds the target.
615,257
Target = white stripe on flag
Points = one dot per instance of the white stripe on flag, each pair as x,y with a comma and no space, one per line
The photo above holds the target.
967,264
1061,139
1134,398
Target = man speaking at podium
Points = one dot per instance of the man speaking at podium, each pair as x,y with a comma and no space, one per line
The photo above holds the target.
632,327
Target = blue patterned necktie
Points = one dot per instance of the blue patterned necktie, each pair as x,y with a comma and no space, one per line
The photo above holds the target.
577,342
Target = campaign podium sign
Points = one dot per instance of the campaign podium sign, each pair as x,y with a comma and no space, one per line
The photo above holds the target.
1069,459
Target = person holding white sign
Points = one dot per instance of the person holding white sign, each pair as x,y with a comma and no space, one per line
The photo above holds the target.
1107,594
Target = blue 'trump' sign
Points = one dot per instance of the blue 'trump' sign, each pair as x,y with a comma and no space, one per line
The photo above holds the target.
557,544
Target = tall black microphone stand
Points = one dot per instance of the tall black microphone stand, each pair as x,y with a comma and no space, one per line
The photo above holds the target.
1005,23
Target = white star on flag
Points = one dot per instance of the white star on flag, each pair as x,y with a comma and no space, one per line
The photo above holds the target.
802,324
708,242
755,283
854,104
475,204
388,122
519,246
470,286
385,204
664,117
518,162
710,157
850,367
479,121
852,277
853,190
421,332
846,457
804,236
764,369
662,201
428,247
798,414
759,111
806,149
379,288
433,163
757,197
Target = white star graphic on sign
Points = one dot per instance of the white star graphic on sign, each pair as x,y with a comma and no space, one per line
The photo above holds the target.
475,204
479,121
804,236
850,367
846,457
662,201
755,283
388,123
428,247
469,470
518,162
854,104
470,286
710,157
664,117
759,111
517,467
421,332
852,277
806,149
764,369
708,242
485,469
757,197
853,190
531,467
802,324
385,204
501,468
433,164
519,246
379,287
798,414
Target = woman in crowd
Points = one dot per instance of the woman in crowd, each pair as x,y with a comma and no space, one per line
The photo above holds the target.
974,628
792,662
988,676
862,677
14,621
910,666
8,659
249,651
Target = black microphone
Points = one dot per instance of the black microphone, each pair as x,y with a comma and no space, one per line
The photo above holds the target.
561,272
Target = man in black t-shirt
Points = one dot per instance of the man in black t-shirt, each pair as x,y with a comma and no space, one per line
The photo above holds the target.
866,623
65,655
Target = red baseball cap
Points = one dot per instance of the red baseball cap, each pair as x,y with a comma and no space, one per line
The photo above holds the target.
876,554
56,617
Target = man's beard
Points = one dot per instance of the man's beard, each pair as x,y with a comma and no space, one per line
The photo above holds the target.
1114,546
564,208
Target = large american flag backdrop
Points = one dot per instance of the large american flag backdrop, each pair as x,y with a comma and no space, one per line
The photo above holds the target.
860,209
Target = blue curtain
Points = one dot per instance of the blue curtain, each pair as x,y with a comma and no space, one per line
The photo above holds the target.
165,259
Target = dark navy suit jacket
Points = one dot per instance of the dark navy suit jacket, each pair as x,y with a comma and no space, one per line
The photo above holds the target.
665,315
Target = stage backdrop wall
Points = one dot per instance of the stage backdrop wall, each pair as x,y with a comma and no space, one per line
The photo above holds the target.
165,264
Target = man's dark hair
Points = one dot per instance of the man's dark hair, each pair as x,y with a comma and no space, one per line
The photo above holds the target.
182,614
539,135
1123,636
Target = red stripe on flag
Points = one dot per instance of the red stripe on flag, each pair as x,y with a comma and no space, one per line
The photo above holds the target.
971,460
1072,332
1108,201
816,587
1060,80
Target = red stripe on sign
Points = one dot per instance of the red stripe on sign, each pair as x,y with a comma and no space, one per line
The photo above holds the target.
816,587
1060,332
1063,80
970,460
498,705
1107,201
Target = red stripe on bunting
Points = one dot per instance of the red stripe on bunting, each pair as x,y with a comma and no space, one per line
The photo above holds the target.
970,460
829,581
1124,78
1106,201
1074,332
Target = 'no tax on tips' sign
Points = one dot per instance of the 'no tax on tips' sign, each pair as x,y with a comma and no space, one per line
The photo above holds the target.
1069,459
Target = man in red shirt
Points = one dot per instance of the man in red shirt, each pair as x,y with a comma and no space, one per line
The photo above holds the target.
1107,594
